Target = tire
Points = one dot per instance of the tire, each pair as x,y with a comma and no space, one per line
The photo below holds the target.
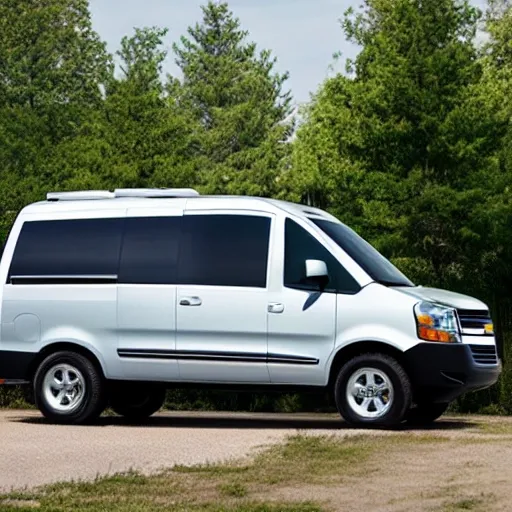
425,413
383,404
69,389
136,402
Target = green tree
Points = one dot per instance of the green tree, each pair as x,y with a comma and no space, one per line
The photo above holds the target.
382,144
52,69
238,100
411,147
49,53
151,137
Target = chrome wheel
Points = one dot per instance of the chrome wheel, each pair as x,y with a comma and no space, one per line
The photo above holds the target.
64,388
369,393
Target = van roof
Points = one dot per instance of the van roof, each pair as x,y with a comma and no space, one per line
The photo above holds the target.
160,198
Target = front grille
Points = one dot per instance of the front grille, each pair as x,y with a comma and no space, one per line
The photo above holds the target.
484,354
473,322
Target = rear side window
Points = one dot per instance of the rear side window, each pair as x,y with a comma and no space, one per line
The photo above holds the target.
224,250
68,248
301,246
150,250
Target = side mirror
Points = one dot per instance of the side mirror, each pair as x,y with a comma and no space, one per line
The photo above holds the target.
316,273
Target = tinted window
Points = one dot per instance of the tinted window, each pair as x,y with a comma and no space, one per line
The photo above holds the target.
150,250
365,255
301,246
82,247
224,250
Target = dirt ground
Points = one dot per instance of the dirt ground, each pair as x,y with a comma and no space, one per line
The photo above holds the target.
460,463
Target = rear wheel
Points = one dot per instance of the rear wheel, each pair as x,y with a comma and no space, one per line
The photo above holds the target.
69,388
373,390
425,413
136,402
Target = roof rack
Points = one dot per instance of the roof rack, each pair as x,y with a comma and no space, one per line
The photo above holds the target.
79,195
155,192
82,195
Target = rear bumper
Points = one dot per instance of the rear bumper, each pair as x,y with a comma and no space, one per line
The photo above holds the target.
441,373
15,367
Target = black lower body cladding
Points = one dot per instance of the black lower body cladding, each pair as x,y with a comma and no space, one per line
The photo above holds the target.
442,372
15,366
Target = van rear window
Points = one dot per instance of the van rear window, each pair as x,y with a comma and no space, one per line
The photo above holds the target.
67,249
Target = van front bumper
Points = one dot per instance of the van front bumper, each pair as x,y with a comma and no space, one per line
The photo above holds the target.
441,373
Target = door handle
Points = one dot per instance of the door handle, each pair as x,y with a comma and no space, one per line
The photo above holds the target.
275,307
191,301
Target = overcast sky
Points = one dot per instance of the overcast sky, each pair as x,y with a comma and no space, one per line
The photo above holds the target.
303,34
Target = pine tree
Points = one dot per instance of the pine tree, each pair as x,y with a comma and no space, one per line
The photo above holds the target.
237,97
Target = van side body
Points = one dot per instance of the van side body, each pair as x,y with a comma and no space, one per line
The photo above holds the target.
235,292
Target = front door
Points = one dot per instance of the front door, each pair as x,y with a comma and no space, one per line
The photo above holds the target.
302,319
222,298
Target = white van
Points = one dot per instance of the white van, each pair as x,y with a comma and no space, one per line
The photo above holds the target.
109,298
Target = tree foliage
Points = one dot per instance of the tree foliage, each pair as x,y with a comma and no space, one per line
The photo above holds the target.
238,101
410,144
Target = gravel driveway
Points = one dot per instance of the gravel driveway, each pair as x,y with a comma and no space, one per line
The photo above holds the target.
33,452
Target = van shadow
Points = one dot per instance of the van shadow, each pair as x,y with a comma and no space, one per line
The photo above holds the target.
251,421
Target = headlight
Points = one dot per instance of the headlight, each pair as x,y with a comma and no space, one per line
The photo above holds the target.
437,323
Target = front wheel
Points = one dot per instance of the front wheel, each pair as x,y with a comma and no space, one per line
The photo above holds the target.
137,402
373,390
425,413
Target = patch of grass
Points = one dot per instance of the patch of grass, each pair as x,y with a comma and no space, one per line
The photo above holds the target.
13,397
302,459
474,503
495,427
413,438
463,504
142,507
235,489
309,459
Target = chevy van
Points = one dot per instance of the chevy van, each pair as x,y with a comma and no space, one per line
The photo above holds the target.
108,298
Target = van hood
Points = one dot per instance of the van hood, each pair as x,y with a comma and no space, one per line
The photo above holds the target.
444,297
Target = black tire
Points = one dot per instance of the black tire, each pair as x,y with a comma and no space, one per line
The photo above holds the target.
399,403
425,413
135,401
92,403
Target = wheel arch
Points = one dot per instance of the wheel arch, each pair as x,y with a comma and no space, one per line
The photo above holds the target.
348,352
60,346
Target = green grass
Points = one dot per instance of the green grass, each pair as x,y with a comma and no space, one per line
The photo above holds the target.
303,459
475,503
235,489
496,427
12,397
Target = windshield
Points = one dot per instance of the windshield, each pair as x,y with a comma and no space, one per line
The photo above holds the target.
367,257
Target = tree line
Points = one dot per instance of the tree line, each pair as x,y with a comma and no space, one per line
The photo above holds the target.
409,145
